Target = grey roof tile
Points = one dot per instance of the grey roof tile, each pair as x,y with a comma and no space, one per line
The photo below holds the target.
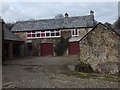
8,35
67,22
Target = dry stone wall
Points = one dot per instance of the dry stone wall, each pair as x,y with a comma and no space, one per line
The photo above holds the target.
99,46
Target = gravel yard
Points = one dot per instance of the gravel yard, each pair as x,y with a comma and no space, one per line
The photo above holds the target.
46,72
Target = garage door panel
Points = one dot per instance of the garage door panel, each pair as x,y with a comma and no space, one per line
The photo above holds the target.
74,48
46,49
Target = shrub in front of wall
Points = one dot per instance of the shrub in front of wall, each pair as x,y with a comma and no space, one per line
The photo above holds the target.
83,67
61,46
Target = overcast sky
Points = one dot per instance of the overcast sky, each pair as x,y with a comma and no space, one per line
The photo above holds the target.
14,11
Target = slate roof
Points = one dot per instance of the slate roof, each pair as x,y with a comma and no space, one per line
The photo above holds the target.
8,35
45,24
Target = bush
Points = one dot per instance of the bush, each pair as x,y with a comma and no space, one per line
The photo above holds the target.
61,46
83,67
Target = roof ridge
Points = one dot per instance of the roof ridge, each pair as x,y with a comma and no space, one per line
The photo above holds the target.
52,19
45,24
95,27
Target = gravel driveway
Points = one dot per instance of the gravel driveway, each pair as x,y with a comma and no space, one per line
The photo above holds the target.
46,72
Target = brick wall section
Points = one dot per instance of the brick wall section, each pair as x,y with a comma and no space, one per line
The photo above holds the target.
101,45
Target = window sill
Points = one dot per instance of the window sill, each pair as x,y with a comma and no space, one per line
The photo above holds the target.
75,36
42,37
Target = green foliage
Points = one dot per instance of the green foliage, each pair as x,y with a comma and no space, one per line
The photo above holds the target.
35,48
117,24
61,46
35,51
9,25
83,67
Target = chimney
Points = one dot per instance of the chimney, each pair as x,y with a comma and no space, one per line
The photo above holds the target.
2,21
66,15
91,12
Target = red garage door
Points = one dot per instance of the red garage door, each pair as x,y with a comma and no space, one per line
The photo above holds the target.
74,48
46,49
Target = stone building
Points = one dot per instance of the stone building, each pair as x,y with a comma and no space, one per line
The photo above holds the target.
41,36
100,46
11,44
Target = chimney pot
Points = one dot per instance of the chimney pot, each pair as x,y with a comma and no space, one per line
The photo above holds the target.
91,12
66,15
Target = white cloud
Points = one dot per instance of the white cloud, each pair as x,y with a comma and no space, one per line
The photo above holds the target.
13,11
0,9
119,9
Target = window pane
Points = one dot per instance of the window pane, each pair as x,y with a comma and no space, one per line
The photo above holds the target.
33,31
28,32
52,34
76,31
37,32
47,34
38,35
52,31
72,32
57,34
33,35
42,31
28,35
42,34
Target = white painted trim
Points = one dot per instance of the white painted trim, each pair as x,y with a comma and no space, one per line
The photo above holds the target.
74,32
42,37
36,32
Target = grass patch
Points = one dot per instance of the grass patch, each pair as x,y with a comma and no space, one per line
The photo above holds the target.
112,78
81,74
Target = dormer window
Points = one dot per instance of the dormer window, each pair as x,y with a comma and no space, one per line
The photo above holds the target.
75,32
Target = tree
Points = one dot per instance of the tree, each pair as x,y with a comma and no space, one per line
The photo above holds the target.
58,16
9,25
61,46
117,24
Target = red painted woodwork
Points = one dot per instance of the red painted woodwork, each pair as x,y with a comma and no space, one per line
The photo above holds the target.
33,35
38,35
46,49
74,48
29,35
43,34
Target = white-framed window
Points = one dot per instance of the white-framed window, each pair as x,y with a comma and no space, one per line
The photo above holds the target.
44,34
37,33
48,34
75,32
31,34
